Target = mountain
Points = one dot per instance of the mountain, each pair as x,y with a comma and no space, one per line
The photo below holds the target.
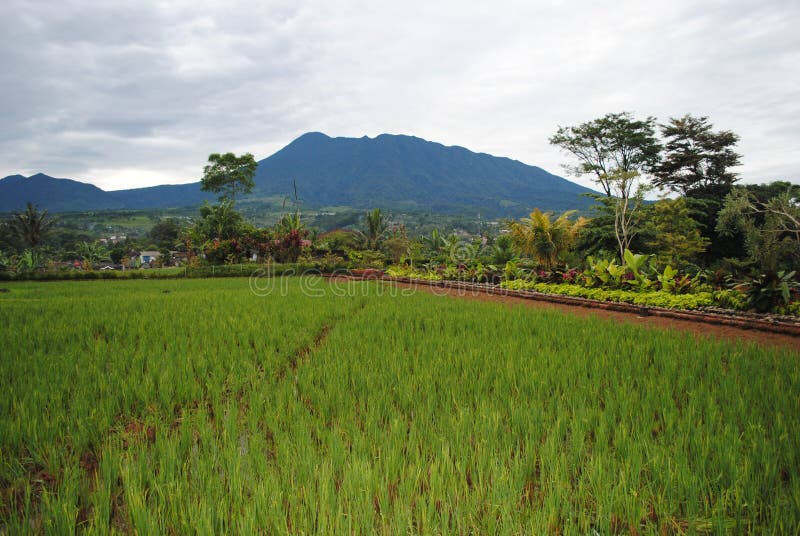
164,196
388,171
411,173
57,195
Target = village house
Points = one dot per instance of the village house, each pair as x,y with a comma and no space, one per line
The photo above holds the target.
148,256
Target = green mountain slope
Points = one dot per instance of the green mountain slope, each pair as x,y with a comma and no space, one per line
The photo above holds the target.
389,171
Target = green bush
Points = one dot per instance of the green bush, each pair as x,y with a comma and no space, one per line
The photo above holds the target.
405,271
652,298
731,299
227,270
792,309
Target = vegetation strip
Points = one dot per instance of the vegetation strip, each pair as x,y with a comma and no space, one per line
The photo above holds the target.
157,407
770,325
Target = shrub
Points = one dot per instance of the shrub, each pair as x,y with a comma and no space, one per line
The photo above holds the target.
653,298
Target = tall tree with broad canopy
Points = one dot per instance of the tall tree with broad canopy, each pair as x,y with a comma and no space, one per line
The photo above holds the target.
615,144
695,157
618,150
696,163
229,175
166,233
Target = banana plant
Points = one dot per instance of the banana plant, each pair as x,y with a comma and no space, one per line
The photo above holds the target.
30,260
616,273
511,271
608,274
597,274
667,279
636,264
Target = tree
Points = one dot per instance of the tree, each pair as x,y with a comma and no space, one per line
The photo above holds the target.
30,228
290,222
219,222
617,150
375,228
165,233
228,174
544,238
338,241
771,228
627,203
502,250
435,244
695,157
762,193
398,246
676,238
613,144
92,253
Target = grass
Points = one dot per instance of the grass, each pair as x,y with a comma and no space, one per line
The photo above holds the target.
197,406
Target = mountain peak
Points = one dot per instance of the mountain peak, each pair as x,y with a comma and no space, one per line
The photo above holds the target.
391,171
410,173
312,136
40,176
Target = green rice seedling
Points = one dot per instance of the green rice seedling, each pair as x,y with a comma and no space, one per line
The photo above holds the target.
199,406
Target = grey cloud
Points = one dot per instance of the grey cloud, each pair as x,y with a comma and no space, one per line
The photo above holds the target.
104,91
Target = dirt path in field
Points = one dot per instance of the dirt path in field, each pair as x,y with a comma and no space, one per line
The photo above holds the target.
699,329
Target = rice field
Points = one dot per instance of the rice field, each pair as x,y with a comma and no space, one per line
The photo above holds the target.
199,406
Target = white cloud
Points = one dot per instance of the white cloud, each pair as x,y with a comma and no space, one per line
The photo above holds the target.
134,92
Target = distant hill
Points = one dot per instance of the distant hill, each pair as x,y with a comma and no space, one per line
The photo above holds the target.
388,171
67,195
57,195
165,196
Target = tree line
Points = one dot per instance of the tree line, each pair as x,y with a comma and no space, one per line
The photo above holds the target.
705,221
708,219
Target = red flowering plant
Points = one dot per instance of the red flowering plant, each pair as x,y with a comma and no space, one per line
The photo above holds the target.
288,246
569,276
257,242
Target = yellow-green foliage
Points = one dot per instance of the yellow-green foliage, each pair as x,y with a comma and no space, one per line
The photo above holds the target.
545,238
404,271
652,298
195,406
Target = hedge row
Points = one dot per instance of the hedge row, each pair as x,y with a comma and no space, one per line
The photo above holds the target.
652,299
231,270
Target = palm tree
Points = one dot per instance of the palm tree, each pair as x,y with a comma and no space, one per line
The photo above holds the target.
290,222
375,228
435,243
31,228
219,221
544,238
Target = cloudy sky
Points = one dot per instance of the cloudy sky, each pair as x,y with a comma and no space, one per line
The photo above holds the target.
135,93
